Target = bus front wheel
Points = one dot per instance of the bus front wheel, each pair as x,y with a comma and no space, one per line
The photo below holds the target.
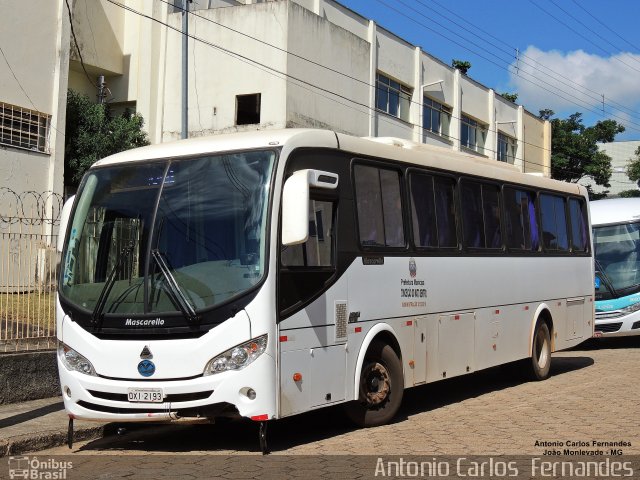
541,352
381,387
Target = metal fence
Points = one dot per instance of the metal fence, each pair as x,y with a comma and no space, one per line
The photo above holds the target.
29,224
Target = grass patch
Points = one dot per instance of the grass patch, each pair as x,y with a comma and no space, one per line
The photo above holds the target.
25,315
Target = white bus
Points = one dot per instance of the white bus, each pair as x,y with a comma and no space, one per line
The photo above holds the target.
270,273
616,243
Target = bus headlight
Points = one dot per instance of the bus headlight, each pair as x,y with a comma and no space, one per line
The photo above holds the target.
632,308
237,357
73,361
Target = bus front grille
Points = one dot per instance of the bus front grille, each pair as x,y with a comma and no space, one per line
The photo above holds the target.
608,327
608,315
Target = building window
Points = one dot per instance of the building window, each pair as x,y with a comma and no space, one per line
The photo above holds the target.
23,128
506,148
436,117
248,109
473,135
392,97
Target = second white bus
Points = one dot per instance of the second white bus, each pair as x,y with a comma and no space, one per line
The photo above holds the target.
270,273
616,242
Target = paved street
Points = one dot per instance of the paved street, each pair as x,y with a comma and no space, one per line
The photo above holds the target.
592,395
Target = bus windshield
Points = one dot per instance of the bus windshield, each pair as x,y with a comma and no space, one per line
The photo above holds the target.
177,235
617,253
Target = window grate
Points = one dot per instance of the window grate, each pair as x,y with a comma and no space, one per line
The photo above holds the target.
24,128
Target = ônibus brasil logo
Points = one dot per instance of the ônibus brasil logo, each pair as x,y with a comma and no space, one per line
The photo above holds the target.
412,267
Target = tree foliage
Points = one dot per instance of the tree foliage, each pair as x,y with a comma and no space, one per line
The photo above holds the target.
633,167
461,65
574,153
629,194
92,133
512,97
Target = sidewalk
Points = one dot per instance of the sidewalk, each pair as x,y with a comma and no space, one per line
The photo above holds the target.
40,424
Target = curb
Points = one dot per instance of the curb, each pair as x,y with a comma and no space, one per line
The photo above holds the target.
44,440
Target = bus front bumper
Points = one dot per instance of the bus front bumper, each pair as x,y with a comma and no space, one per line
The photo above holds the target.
617,324
246,393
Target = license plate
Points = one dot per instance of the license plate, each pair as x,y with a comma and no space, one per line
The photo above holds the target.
146,395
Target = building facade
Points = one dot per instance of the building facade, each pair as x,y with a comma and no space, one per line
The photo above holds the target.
293,63
34,64
621,154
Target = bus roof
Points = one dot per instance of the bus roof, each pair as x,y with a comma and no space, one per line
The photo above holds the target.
389,148
614,210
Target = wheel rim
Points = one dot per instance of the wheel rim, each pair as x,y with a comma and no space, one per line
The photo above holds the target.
542,349
375,384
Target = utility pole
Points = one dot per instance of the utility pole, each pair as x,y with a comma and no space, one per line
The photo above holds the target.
102,89
185,69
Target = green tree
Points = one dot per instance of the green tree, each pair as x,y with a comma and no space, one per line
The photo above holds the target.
633,167
512,97
574,153
92,133
461,65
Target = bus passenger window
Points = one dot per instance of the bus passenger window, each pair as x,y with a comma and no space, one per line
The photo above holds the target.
317,251
481,215
379,207
521,223
554,223
579,232
432,211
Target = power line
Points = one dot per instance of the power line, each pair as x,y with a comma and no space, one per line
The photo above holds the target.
580,35
588,107
589,29
26,94
604,25
304,84
555,73
553,88
75,41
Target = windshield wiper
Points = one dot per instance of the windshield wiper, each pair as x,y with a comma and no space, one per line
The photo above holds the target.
97,316
605,278
175,293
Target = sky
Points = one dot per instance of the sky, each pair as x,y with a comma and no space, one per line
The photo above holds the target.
563,55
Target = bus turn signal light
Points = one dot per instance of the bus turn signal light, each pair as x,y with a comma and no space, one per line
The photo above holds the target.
297,377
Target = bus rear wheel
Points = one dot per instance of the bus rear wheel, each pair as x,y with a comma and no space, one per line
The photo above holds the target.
381,387
541,352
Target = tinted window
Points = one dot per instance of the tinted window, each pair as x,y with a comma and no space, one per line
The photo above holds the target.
379,205
433,213
481,215
554,223
578,215
521,224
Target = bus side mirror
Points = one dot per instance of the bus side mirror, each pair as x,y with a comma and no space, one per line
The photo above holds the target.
64,221
295,203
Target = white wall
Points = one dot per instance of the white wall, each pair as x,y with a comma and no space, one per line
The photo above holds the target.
35,40
310,37
217,77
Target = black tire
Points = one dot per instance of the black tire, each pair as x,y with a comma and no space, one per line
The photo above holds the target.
381,387
540,361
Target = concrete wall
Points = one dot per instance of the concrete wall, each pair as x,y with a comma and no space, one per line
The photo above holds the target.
35,42
323,43
28,376
216,77
537,145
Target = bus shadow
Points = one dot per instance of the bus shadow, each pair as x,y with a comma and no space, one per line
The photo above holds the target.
241,436
609,343
446,392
